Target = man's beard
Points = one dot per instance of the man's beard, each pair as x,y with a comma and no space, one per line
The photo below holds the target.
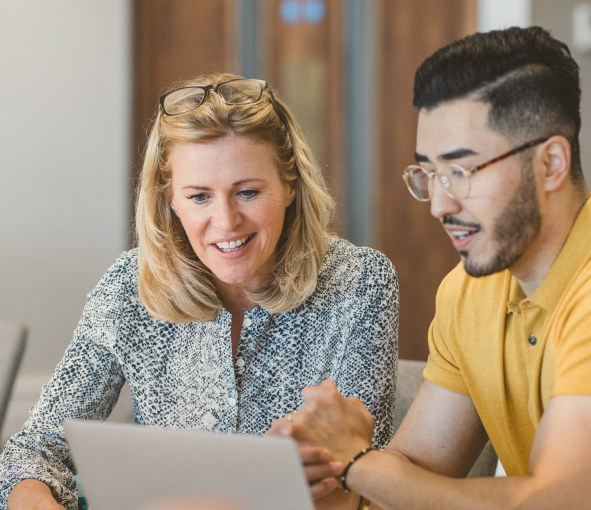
515,228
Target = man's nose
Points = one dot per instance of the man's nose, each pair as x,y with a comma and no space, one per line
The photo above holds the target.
441,203
226,216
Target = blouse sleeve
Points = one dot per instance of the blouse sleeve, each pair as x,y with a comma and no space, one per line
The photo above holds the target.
370,365
85,385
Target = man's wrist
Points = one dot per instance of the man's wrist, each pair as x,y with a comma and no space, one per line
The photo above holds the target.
357,470
362,453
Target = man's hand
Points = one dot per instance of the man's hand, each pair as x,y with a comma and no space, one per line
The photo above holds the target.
319,469
328,419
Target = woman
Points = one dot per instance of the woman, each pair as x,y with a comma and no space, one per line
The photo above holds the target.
234,301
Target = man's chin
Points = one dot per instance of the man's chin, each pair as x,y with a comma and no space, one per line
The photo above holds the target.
475,269
501,262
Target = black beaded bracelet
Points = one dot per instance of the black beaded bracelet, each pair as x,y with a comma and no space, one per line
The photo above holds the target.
364,504
348,466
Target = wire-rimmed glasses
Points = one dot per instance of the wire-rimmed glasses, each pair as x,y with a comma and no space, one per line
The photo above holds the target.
454,179
234,92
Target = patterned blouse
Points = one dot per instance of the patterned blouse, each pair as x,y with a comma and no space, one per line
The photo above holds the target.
183,376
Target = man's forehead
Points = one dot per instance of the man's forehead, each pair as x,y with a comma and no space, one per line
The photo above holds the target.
454,125
455,116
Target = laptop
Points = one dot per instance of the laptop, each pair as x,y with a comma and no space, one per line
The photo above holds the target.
129,467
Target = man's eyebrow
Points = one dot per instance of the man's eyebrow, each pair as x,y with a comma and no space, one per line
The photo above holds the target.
420,158
448,156
457,154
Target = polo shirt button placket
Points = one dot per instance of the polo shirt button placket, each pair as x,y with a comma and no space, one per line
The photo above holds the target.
532,340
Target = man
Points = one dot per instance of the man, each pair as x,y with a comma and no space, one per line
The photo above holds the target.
510,345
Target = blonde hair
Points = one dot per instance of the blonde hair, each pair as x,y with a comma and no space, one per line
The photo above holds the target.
174,285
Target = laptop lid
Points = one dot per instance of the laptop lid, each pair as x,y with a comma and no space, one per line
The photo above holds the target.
128,467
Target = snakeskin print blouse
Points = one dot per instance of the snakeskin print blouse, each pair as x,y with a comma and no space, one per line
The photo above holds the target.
183,375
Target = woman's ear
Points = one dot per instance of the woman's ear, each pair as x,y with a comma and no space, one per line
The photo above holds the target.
292,192
173,207
556,158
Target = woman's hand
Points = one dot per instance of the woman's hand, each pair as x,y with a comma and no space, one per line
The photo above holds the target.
32,494
343,425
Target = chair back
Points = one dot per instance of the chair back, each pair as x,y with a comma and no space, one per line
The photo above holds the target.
13,338
410,378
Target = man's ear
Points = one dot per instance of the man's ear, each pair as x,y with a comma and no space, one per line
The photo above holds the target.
556,158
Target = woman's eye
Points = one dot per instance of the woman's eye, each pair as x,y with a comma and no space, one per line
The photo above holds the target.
199,197
248,193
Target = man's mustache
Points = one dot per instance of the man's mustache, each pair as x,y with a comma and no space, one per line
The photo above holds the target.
452,220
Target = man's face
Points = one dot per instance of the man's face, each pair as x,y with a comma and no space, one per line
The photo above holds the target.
494,226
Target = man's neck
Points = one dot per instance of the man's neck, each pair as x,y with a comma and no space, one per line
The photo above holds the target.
558,219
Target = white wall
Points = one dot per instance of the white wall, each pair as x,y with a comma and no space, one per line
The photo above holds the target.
499,14
64,169
557,17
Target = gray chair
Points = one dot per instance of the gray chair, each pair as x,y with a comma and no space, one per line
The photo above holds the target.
13,338
410,378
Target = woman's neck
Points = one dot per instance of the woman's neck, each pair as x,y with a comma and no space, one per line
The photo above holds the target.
234,297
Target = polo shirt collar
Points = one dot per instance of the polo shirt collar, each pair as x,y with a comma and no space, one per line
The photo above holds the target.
573,253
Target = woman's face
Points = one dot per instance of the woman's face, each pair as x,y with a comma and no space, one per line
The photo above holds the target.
231,202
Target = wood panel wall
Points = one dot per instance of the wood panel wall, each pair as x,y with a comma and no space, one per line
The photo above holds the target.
408,32
175,40
304,62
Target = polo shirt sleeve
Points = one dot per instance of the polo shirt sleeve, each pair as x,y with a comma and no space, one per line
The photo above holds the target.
442,368
570,332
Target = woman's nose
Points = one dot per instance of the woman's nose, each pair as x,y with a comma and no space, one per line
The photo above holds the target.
441,203
226,215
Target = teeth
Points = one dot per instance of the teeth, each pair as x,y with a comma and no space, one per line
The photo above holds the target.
462,234
232,245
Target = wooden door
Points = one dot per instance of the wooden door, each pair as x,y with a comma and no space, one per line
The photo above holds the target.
302,57
408,32
175,40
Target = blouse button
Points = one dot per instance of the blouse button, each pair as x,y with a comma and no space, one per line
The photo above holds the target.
247,322
532,340
239,362
232,401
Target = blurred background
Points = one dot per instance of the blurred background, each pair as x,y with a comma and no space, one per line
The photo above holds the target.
80,82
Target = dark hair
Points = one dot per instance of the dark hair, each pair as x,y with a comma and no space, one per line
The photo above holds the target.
528,78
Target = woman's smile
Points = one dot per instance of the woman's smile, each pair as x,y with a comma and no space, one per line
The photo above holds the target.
236,247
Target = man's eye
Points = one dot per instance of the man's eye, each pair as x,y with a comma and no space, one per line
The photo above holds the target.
248,193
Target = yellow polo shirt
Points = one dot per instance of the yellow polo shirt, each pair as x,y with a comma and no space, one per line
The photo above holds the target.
511,353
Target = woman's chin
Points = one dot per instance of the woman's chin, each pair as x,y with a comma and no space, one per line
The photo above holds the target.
242,279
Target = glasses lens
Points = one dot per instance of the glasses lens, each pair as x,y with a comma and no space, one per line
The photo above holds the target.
417,181
183,100
454,180
241,91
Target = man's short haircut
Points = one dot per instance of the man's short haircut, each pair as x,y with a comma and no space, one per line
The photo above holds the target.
528,78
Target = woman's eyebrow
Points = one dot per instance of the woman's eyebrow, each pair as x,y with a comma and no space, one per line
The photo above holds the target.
248,179
237,183
194,186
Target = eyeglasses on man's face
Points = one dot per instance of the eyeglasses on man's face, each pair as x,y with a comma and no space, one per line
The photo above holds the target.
454,179
234,92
